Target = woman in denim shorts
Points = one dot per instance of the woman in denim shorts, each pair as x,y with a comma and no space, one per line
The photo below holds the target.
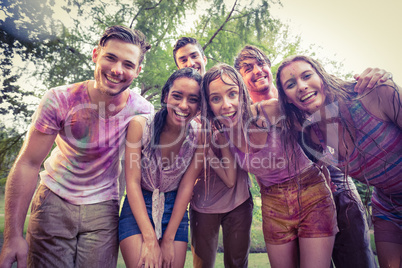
163,157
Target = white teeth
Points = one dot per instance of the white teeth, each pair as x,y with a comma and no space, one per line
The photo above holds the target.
259,79
181,114
307,96
229,115
111,79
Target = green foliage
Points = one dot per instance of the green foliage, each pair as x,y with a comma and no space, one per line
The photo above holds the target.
365,192
57,38
255,192
9,148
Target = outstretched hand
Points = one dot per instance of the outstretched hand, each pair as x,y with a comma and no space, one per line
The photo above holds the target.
369,78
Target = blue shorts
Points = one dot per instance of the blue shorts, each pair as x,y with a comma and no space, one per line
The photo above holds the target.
128,225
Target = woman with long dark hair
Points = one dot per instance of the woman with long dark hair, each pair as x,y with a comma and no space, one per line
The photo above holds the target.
164,154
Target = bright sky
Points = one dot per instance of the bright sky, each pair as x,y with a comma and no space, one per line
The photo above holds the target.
359,33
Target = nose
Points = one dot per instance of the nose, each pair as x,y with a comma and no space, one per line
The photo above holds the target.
302,85
190,63
183,104
117,69
226,103
257,69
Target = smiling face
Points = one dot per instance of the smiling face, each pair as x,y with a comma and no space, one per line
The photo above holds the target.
257,76
223,99
191,56
182,101
302,86
117,64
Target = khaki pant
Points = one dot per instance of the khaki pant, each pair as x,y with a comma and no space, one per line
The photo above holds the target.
61,234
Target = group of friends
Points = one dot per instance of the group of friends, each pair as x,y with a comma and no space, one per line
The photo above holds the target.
303,139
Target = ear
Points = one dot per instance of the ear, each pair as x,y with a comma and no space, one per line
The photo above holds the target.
137,72
205,61
288,101
95,53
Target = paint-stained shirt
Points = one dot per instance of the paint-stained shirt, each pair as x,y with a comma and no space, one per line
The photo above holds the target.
84,167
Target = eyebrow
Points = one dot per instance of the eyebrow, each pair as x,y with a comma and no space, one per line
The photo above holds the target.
191,54
181,94
244,65
115,56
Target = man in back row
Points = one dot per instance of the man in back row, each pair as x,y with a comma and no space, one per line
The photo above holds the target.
75,212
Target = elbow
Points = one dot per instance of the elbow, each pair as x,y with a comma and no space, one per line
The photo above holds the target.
231,183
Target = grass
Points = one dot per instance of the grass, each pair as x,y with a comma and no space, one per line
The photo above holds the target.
255,260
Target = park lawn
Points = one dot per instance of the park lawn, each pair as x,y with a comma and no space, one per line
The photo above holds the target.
254,260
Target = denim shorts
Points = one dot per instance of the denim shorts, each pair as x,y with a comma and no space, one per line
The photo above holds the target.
128,225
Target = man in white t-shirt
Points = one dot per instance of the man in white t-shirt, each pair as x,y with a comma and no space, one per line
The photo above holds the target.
75,211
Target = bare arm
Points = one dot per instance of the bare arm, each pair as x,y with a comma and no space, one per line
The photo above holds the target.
226,167
21,184
150,251
184,194
390,96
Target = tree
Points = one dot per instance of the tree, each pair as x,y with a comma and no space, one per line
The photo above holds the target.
57,38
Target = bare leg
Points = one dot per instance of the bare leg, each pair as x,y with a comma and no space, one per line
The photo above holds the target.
131,250
316,252
282,256
389,254
180,249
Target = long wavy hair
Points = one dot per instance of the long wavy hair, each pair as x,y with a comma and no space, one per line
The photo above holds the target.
160,117
335,90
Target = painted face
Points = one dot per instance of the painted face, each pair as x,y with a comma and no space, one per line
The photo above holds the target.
303,87
256,75
117,64
224,100
183,101
191,56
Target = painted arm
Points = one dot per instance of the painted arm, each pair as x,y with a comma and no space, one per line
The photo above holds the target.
20,187
369,78
150,250
184,194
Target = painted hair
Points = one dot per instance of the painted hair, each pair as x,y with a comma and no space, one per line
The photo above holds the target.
127,35
160,117
183,41
250,52
218,72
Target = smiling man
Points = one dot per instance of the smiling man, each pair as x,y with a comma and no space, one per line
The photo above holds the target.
188,53
74,215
